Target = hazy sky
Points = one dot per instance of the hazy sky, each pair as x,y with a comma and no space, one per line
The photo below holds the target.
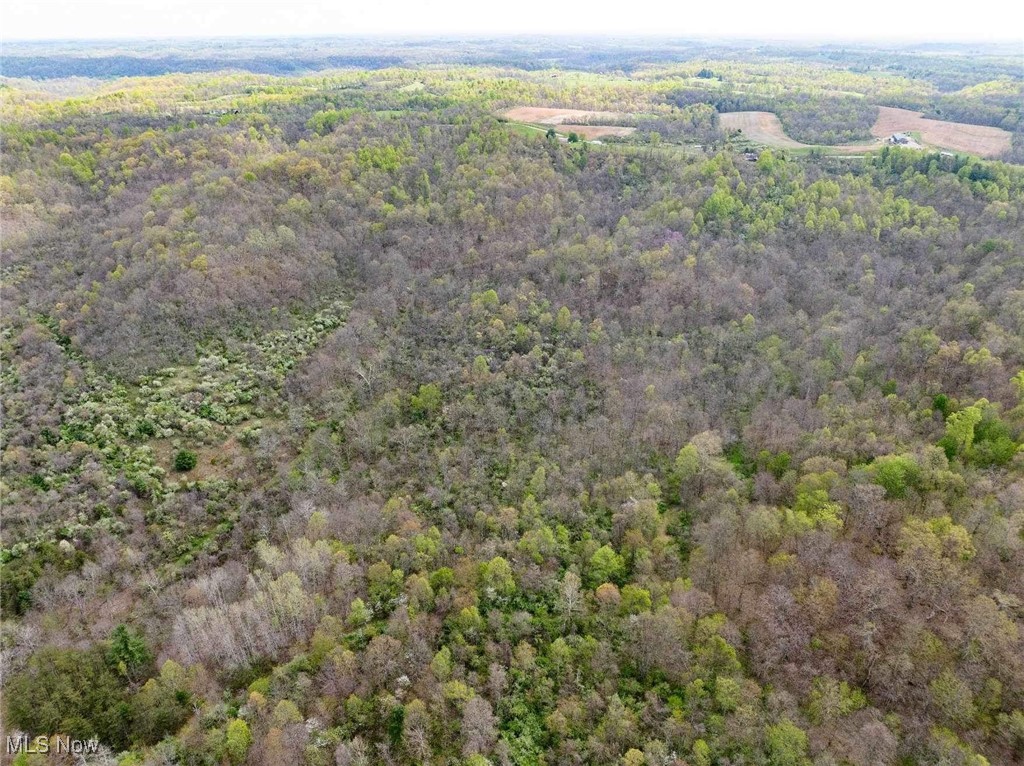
816,19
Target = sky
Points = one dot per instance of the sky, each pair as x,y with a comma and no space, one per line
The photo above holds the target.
777,19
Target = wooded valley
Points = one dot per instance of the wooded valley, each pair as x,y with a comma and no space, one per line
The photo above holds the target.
347,421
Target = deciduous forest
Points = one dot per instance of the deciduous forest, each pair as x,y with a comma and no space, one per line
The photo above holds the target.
348,421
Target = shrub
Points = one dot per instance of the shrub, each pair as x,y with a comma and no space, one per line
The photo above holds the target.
185,460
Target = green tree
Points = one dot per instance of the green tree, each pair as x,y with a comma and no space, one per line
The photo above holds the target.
953,699
237,741
427,402
441,666
73,692
606,566
563,320
960,425
497,576
720,206
813,509
787,745
128,651
687,464
325,122
896,474
830,700
286,712
701,753
162,705
358,614
635,599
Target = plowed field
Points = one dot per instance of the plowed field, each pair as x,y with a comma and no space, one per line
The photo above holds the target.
549,116
958,136
765,128
543,115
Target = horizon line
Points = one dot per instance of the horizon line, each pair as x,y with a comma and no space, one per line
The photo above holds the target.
480,35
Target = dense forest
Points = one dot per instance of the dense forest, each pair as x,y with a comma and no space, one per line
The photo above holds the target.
347,422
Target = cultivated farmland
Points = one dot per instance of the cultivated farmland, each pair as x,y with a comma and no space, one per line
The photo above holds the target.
981,140
551,116
542,115
765,128
762,127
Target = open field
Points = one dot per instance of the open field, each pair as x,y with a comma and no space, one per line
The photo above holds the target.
975,139
598,131
762,127
765,128
551,116
542,115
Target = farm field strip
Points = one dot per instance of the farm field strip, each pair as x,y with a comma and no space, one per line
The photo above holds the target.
542,115
551,116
